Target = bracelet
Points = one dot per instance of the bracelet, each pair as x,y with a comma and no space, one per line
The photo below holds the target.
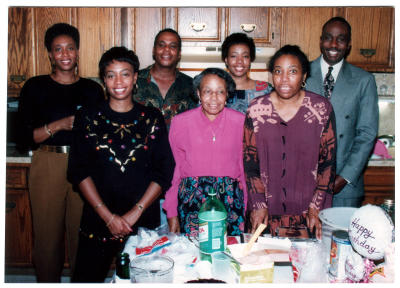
140,206
99,205
48,131
111,220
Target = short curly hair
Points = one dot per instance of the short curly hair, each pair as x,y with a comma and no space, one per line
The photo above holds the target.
295,51
168,30
121,54
238,38
340,20
230,83
60,29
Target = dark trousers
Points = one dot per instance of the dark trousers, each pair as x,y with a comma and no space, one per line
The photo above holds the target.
94,258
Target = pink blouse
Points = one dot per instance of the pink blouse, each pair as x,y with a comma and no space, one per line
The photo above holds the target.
205,148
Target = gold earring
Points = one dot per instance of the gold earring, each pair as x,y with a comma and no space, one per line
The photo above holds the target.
135,89
303,84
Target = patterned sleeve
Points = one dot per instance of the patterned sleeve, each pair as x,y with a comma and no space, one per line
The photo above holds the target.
326,165
255,186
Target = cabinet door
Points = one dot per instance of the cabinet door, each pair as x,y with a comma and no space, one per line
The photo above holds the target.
198,24
20,58
140,27
259,23
379,184
43,18
372,37
18,231
303,27
100,29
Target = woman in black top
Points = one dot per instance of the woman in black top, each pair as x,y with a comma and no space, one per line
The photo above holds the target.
46,111
122,161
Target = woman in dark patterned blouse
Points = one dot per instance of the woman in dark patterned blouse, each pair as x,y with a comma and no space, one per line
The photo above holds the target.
238,52
289,149
121,160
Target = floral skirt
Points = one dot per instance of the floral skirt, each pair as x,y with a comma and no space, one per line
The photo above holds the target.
193,192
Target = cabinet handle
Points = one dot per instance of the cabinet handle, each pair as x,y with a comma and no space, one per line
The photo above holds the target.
17,78
198,27
248,28
10,206
367,52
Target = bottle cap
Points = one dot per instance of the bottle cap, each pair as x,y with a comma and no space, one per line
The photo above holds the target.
388,202
212,192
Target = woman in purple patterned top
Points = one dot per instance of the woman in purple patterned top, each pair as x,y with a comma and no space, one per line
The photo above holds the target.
289,149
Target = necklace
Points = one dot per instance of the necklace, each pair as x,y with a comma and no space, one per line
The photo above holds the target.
213,138
218,127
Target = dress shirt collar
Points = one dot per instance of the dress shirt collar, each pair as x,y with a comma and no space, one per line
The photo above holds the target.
335,71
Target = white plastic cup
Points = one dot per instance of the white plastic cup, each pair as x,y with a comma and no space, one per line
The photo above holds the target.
221,266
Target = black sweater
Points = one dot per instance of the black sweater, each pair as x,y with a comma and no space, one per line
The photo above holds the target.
122,153
43,100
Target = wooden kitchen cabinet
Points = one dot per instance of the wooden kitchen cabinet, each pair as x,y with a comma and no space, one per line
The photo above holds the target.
207,25
379,184
198,24
260,23
372,31
100,29
139,28
302,26
135,28
18,230
43,18
20,54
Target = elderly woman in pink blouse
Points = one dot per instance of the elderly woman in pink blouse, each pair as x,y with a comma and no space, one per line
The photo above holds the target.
207,146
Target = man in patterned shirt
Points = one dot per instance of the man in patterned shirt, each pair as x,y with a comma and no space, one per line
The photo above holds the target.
161,85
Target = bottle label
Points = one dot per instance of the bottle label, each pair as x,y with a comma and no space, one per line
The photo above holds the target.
212,232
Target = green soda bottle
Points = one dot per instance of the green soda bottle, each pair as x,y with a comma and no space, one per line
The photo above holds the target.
212,226
122,267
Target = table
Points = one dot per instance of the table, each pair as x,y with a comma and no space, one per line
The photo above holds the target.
188,267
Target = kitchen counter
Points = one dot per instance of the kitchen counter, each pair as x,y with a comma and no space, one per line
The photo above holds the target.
13,156
27,159
381,163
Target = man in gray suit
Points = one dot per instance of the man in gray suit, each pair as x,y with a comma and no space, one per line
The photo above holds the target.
353,94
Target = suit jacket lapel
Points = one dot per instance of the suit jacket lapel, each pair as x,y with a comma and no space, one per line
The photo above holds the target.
343,82
315,81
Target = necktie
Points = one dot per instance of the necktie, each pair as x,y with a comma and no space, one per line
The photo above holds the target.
329,82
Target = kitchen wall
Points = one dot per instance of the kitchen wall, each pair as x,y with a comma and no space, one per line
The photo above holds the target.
385,83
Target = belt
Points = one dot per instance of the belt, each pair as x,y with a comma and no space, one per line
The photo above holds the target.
53,148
